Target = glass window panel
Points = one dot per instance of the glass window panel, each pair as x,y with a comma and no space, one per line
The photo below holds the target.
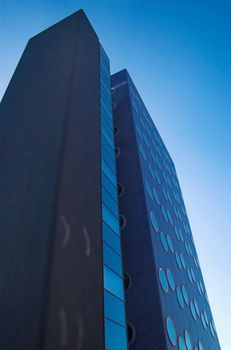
107,136
114,308
115,335
110,237
112,259
113,283
109,201
107,170
110,219
107,156
107,145
108,185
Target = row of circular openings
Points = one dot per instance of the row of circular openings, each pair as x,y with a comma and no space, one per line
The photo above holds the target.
184,342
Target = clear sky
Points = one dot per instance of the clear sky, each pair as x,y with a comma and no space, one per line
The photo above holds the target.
178,54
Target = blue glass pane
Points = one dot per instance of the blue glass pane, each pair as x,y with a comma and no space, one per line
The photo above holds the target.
107,136
110,219
114,308
156,196
181,344
170,279
171,330
164,241
107,170
107,145
185,295
154,221
148,189
113,283
170,244
163,280
107,184
109,201
116,337
112,259
109,158
188,340
110,237
178,261
180,297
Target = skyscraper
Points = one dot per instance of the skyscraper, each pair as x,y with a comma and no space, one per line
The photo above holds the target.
166,301
60,228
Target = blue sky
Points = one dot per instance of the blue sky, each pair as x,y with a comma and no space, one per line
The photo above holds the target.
178,54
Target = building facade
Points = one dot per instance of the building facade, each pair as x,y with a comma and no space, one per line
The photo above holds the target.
67,252
166,301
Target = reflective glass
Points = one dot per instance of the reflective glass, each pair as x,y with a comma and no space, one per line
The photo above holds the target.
182,260
109,202
150,168
177,232
196,307
154,221
112,259
171,330
193,311
108,185
114,308
181,344
180,297
170,244
157,177
178,261
189,275
163,280
169,217
156,196
170,279
185,295
113,283
164,241
200,345
148,189
110,219
107,170
203,320
111,238
188,340
164,213
115,336
142,152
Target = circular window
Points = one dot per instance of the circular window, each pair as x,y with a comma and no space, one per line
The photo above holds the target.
189,275
169,217
148,189
150,168
188,340
163,280
164,241
185,295
164,193
170,279
170,244
203,320
130,333
116,131
181,344
177,233
122,221
142,151
178,261
164,213
193,275
156,196
211,329
193,311
120,190
127,281
200,345
182,260
157,177
154,221
196,307
117,151
179,297
171,330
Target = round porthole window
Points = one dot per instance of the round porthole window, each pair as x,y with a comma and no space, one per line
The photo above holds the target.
127,281
181,344
120,190
122,220
164,213
193,311
142,151
179,297
185,295
170,244
156,196
163,280
154,221
178,261
170,279
188,340
148,189
130,333
117,151
164,241
116,131
171,330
